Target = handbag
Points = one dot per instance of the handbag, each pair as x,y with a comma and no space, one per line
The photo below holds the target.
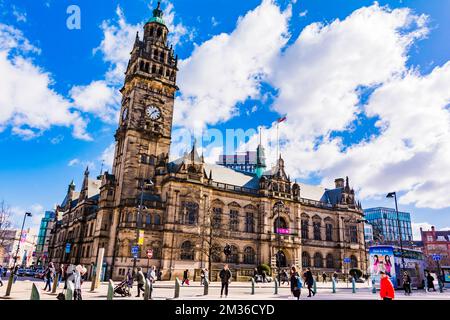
61,296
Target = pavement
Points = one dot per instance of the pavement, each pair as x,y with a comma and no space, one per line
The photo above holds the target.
164,290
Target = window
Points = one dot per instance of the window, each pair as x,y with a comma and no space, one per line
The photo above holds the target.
318,263
329,232
316,229
330,261
148,219
305,229
234,220
217,217
306,260
249,223
249,255
216,252
429,238
190,213
157,219
353,262
233,257
353,234
187,251
279,223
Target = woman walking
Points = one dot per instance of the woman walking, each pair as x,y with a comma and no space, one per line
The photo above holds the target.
309,282
78,281
296,283
406,283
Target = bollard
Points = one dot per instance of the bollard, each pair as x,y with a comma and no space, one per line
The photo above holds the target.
110,294
276,286
253,286
205,287
177,288
147,289
315,286
333,285
353,285
69,291
35,295
55,283
374,289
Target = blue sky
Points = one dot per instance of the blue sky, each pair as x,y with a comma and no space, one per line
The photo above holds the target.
41,153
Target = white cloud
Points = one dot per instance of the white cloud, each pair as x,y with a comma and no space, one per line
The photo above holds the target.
19,15
27,103
177,31
416,229
73,162
97,98
303,13
228,68
108,155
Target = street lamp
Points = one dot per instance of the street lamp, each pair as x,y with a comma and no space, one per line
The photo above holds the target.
11,274
394,195
145,183
278,205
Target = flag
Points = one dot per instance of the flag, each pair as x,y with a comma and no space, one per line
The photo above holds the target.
282,119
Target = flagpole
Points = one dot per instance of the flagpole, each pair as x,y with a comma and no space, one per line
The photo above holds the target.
278,143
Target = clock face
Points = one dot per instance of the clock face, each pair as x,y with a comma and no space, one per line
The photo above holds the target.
153,112
124,114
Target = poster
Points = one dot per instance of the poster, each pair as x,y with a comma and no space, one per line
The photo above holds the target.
381,258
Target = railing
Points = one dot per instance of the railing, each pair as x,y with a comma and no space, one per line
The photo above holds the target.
231,187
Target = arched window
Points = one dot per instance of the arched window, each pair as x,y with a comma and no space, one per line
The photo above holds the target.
316,230
162,56
147,67
279,223
249,255
154,68
306,260
148,219
353,262
318,262
161,71
234,220
217,217
330,261
281,261
157,219
249,222
130,217
159,32
233,257
329,232
187,251
305,232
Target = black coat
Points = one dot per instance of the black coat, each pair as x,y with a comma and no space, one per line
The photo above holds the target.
225,275
309,278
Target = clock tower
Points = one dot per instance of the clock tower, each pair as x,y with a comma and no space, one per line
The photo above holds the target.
144,133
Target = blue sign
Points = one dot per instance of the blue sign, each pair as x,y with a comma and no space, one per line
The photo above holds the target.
347,260
436,257
135,251
67,247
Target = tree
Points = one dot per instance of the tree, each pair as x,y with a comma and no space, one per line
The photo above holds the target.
5,225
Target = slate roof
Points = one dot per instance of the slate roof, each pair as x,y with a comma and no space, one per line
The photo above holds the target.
226,175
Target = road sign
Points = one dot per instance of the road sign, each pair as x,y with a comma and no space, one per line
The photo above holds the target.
135,251
149,253
347,260
436,257
67,247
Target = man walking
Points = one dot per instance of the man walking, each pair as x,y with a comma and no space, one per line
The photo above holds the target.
49,274
225,277
430,282
407,283
151,274
309,282
324,277
335,276
140,281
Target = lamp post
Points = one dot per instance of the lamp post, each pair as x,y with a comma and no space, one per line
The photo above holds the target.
11,274
278,205
394,195
145,183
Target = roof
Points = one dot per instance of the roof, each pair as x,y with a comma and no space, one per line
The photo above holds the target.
93,187
311,192
227,175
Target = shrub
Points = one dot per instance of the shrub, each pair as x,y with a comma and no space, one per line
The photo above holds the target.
264,267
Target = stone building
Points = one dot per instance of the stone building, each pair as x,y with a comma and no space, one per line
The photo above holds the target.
192,209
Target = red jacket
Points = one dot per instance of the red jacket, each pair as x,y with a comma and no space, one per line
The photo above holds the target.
386,288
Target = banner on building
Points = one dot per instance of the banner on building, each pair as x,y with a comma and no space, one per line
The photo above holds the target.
141,237
382,259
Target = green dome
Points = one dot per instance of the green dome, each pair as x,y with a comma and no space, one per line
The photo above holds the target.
157,19
157,15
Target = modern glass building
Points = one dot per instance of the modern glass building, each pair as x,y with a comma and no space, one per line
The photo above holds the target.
43,234
385,225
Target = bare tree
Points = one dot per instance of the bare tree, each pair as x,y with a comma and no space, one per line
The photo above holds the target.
5,224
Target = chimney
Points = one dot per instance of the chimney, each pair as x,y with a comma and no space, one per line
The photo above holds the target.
339,182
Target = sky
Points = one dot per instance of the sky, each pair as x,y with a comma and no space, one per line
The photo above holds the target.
364,86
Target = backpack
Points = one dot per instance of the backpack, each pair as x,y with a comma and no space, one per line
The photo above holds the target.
299,282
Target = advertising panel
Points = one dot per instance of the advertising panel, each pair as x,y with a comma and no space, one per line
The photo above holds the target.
382,259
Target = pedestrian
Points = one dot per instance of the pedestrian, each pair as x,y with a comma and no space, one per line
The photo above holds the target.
15,272
159,274
61,274
296,283
386,287
202,276
151,274
406,283
1,274
324,277
309,282
69,275
140,281
206,275
430,281
225,278
185,277
49,274
78,281
255,274
264,275
335,277
285,277
129,279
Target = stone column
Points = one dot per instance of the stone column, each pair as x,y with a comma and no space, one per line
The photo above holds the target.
98,269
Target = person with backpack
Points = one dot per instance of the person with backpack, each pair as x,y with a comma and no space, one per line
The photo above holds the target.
296,283
225,278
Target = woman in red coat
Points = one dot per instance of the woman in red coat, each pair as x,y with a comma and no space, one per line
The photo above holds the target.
386,287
